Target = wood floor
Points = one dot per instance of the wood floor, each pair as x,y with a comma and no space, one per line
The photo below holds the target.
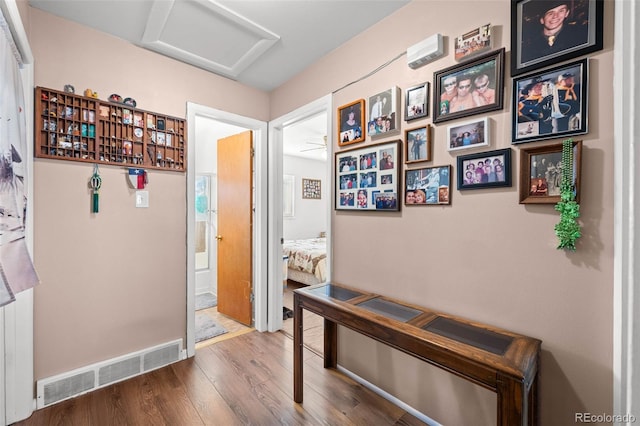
243,377
246,380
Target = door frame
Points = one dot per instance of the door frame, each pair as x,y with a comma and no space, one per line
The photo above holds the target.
276,171
260,284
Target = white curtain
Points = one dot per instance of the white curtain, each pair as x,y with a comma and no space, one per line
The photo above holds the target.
16,268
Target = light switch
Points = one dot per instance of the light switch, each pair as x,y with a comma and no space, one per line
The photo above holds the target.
142,198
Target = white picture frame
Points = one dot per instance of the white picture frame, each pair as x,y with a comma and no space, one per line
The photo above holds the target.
469,134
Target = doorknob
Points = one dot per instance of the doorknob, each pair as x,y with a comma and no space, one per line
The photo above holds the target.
218,237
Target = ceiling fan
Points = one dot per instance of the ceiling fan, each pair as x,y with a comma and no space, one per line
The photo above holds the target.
322,145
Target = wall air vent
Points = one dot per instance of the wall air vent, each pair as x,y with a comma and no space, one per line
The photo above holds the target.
86,379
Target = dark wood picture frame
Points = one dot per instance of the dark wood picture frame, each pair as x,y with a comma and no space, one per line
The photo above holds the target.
581,33
351,132
416,102
427,186
483,78
417,144
368,178
469,163
551,103
541,173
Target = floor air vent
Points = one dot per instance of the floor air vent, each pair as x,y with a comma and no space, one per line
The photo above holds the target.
74,383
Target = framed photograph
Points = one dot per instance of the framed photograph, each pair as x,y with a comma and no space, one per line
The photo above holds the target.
470,134
384,109
367,178
416,102
541,173
417,144
350,120
427,186
311,188
545,32
471,88
551,103
473,43
485,169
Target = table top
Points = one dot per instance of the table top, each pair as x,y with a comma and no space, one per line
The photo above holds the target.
425,332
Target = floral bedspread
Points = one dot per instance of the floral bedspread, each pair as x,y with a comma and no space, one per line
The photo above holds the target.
308,256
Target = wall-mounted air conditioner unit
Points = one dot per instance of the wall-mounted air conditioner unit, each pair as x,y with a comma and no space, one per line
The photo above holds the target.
426,51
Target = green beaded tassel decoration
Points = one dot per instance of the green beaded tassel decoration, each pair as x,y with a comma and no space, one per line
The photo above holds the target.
95,183
568,229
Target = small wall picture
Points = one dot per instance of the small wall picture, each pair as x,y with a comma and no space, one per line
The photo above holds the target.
383,113
471,134
473,43
311,188
541,173
418,144
427,186
484,169
350,120
551,103
416,102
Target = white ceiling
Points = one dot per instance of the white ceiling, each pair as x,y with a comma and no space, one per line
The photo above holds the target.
260,43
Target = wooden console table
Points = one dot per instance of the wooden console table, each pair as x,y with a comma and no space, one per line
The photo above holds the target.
496,359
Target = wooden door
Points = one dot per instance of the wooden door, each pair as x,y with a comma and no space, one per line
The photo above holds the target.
235,226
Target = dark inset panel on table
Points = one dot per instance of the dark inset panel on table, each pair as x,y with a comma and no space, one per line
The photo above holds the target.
334,292
478,337
390,309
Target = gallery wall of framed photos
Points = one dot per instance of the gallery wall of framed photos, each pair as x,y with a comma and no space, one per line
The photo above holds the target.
548,100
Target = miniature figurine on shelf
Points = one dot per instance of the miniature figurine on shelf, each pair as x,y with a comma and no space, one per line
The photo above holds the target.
91,94
69,88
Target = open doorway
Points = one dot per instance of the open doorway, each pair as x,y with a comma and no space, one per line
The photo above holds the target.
206,127
300,149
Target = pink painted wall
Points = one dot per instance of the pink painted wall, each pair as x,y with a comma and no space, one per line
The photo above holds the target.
485,257
114,282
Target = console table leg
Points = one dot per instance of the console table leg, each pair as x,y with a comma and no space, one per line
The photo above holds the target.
330,344
512,402
297,349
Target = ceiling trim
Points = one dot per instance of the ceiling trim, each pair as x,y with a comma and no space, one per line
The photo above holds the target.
161,12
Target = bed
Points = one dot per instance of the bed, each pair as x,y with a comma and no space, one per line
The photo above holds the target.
307,260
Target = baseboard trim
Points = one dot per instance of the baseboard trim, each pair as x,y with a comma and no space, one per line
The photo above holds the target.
375,389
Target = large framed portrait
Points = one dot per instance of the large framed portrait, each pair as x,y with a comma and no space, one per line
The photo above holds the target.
384,109
350,120
470,134
471,88
416,102
418,144
551,103
473,43
367,178
487,169
545,32
427,186
541,173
